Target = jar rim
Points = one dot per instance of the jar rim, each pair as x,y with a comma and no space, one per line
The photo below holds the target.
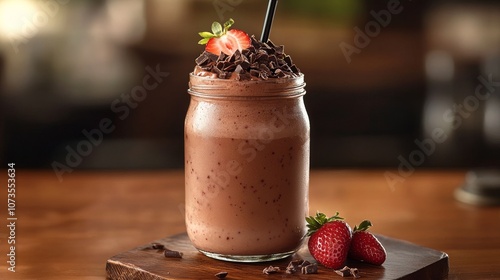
226,88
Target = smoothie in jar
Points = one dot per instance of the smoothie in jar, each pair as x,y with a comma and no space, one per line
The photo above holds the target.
246,155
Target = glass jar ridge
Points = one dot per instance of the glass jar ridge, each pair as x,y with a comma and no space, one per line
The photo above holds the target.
272,87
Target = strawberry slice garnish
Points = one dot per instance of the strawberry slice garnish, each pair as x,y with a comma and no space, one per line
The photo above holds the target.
221,39
365,246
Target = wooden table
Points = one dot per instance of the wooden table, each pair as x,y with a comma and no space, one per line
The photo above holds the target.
67,230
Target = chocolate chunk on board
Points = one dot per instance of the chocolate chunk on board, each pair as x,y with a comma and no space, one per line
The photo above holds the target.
157,246
172,254
271,270
221,275
348,271
293,266
309,269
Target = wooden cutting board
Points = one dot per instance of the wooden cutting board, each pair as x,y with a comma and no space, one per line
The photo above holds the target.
404,261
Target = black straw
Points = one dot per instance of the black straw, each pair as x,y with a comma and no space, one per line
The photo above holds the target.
268,21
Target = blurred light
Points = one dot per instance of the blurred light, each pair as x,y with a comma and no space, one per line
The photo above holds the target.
440,70
492,121
439,66
491,65
15,16
126,20
469,31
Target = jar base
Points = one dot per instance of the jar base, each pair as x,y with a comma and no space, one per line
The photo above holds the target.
248,258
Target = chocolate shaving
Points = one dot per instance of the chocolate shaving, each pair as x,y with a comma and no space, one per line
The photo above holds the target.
260,60
157,246
271,270
236,56
202,59
254,73
310,269
302,266
264,68
222,56
293,266
344,272
244,76
245,64
172,254
304,263
354,272
221,275
348,271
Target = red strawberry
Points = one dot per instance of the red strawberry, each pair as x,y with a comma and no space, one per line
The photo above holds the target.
224,40
365,246
329,239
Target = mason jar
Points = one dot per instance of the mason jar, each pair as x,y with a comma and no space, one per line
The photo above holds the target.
246,167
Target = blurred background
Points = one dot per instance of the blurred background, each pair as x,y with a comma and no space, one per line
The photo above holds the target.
102,83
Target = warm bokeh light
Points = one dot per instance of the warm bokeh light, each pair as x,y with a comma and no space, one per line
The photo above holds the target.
15,16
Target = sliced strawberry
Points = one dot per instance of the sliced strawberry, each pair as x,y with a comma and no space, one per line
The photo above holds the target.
230,42
224,40
365,246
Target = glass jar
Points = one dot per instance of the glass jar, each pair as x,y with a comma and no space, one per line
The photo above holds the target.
246,167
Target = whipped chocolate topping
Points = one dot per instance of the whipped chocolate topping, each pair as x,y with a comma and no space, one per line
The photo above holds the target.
259,61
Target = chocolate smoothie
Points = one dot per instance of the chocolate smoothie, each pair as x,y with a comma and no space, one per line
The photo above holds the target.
246,160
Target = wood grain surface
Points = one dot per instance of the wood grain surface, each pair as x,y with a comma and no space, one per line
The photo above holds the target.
404,261
69,229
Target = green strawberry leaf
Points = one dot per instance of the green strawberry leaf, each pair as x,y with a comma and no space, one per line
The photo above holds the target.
203,41
206,34
315,223
217,29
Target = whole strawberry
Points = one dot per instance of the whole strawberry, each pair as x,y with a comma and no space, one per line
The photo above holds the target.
365,246
329,239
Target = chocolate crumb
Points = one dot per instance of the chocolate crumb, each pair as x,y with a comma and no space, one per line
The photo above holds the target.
303,266
202,59
354,272
309,269
348,271
172,254
157,246
221,275
344,272
304,263
293,266
271,270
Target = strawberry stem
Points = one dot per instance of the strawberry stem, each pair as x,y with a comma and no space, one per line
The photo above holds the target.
228,25
364,225
314,223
